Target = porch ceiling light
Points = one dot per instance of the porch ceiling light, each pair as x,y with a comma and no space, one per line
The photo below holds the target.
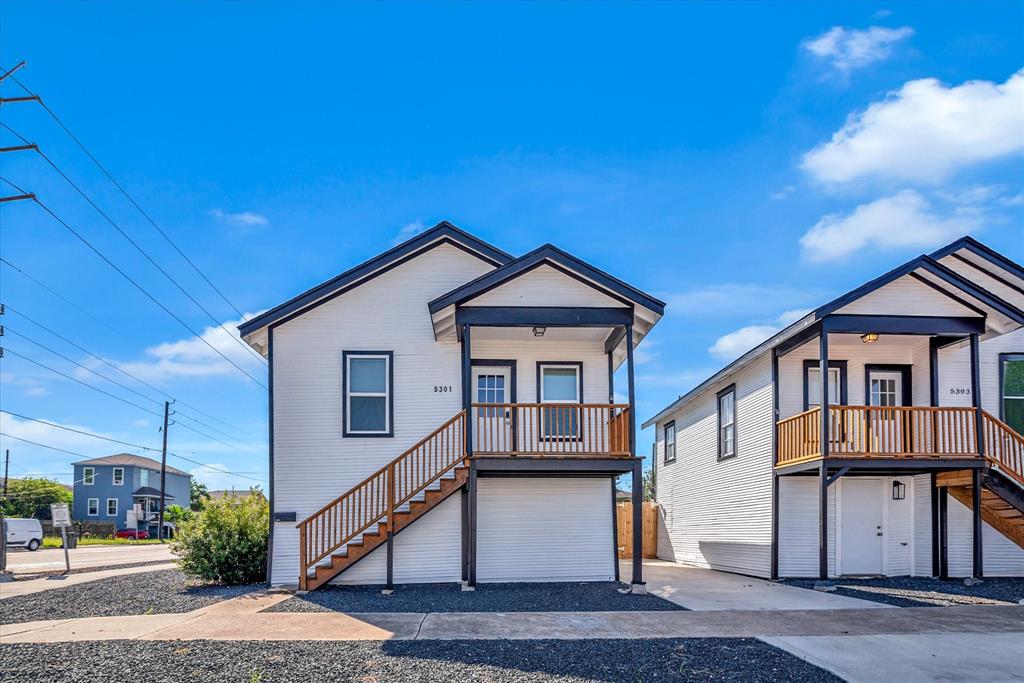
539,331
869,338
899,490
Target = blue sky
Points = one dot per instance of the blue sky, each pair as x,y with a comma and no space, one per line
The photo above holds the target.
741,161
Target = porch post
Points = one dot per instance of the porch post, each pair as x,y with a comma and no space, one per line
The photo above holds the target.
822,521
823,402
615,527
979,568
632,390
469,498
976,394
467,393
638,530
471,580
775,459
943,533
611,378
936,531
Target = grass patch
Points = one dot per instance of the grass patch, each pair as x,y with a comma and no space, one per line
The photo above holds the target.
55,541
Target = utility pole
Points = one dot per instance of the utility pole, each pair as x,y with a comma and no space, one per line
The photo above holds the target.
3,529
163,474
7,464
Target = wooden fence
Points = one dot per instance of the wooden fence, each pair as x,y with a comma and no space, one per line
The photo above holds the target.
624,524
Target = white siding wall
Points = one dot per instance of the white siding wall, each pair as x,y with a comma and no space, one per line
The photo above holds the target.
906,296
955,371
1001,556
718,514
921,492
545,529
544,286
527,353
313,464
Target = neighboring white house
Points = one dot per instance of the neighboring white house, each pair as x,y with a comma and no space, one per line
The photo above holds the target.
902,485
445,366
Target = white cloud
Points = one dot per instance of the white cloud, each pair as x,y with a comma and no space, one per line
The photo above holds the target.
246,219
901,221
140,424
924,132
783,193
33,387
409,230
847,49
59,438
733,345
219,481
192,357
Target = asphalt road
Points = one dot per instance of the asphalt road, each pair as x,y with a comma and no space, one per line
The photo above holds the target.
22,561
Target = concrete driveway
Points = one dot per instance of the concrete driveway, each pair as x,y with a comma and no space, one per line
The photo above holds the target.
48,559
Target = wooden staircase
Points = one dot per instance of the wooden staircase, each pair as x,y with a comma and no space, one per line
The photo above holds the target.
1002,493
360,520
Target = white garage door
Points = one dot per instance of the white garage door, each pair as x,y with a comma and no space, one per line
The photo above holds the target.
544,529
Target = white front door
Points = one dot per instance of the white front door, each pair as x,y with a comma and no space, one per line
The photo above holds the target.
861,527
492,424
885,389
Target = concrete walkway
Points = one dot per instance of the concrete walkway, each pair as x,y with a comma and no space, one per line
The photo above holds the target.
705,589
52,559
11,589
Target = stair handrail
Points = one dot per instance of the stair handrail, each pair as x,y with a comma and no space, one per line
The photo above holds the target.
1003,446
380,494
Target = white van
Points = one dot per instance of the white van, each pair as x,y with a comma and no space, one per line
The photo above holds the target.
23,533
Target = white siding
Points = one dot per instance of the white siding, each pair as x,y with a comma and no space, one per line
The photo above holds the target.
545,529
544,286
313,464
921,492
718,514
798,526
955,371
1001,556
527,353
906,296
426,552
899,520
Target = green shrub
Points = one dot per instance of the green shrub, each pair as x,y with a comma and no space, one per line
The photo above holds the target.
227,542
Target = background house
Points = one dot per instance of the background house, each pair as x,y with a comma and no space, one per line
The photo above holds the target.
106,488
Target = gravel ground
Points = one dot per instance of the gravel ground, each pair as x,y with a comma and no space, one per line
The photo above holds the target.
502,661
924,592
162,592
26,576
601,596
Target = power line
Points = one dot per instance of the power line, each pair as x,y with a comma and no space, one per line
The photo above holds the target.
128,374
138,248
69,302
126,443
136,284
123,191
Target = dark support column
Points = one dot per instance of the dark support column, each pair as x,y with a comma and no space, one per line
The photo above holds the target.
822,520
615,530
823,401
391,561
464,499
775,526
976,393
467,392
936,531
469,500
979,565
943,533
471,581
632,391
638,526
611,378
933,369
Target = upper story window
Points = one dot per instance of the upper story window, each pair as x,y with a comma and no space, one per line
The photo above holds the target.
368,389
143,477
727,422
670,442
118,476
560,383
836,383
88,476
1011,386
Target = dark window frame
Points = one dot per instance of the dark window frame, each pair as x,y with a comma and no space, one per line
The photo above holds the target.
1003,357
578,364
390,433
841,365
735,423
906,372
667,460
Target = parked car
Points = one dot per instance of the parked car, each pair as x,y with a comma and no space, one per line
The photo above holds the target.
23,533
132,533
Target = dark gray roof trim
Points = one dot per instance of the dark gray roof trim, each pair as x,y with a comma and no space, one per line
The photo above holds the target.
536,258
927,263
151,492
443,230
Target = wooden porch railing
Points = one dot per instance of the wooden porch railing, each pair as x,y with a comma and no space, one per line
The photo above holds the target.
1004,447
374,500
560,429
879,431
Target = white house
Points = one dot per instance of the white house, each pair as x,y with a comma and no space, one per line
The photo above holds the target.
445,366
914,366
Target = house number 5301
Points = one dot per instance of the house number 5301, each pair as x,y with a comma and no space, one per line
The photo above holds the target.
442,389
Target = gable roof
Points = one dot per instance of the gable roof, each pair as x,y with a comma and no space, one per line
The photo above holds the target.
963,290
548,254
442,233
129,460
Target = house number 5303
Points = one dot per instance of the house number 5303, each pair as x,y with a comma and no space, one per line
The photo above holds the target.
960,391
442,389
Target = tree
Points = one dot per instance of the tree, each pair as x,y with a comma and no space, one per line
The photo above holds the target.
32,497
650,484
199,495
228,542
177,515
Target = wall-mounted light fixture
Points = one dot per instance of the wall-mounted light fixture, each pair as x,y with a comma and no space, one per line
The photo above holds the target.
539,331
899,490
869,338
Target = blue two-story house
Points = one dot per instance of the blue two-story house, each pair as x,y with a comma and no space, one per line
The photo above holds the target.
107,488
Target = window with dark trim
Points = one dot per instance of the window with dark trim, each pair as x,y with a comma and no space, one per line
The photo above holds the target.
368,387
727,422
560,382
670,442
837,394
1011,390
